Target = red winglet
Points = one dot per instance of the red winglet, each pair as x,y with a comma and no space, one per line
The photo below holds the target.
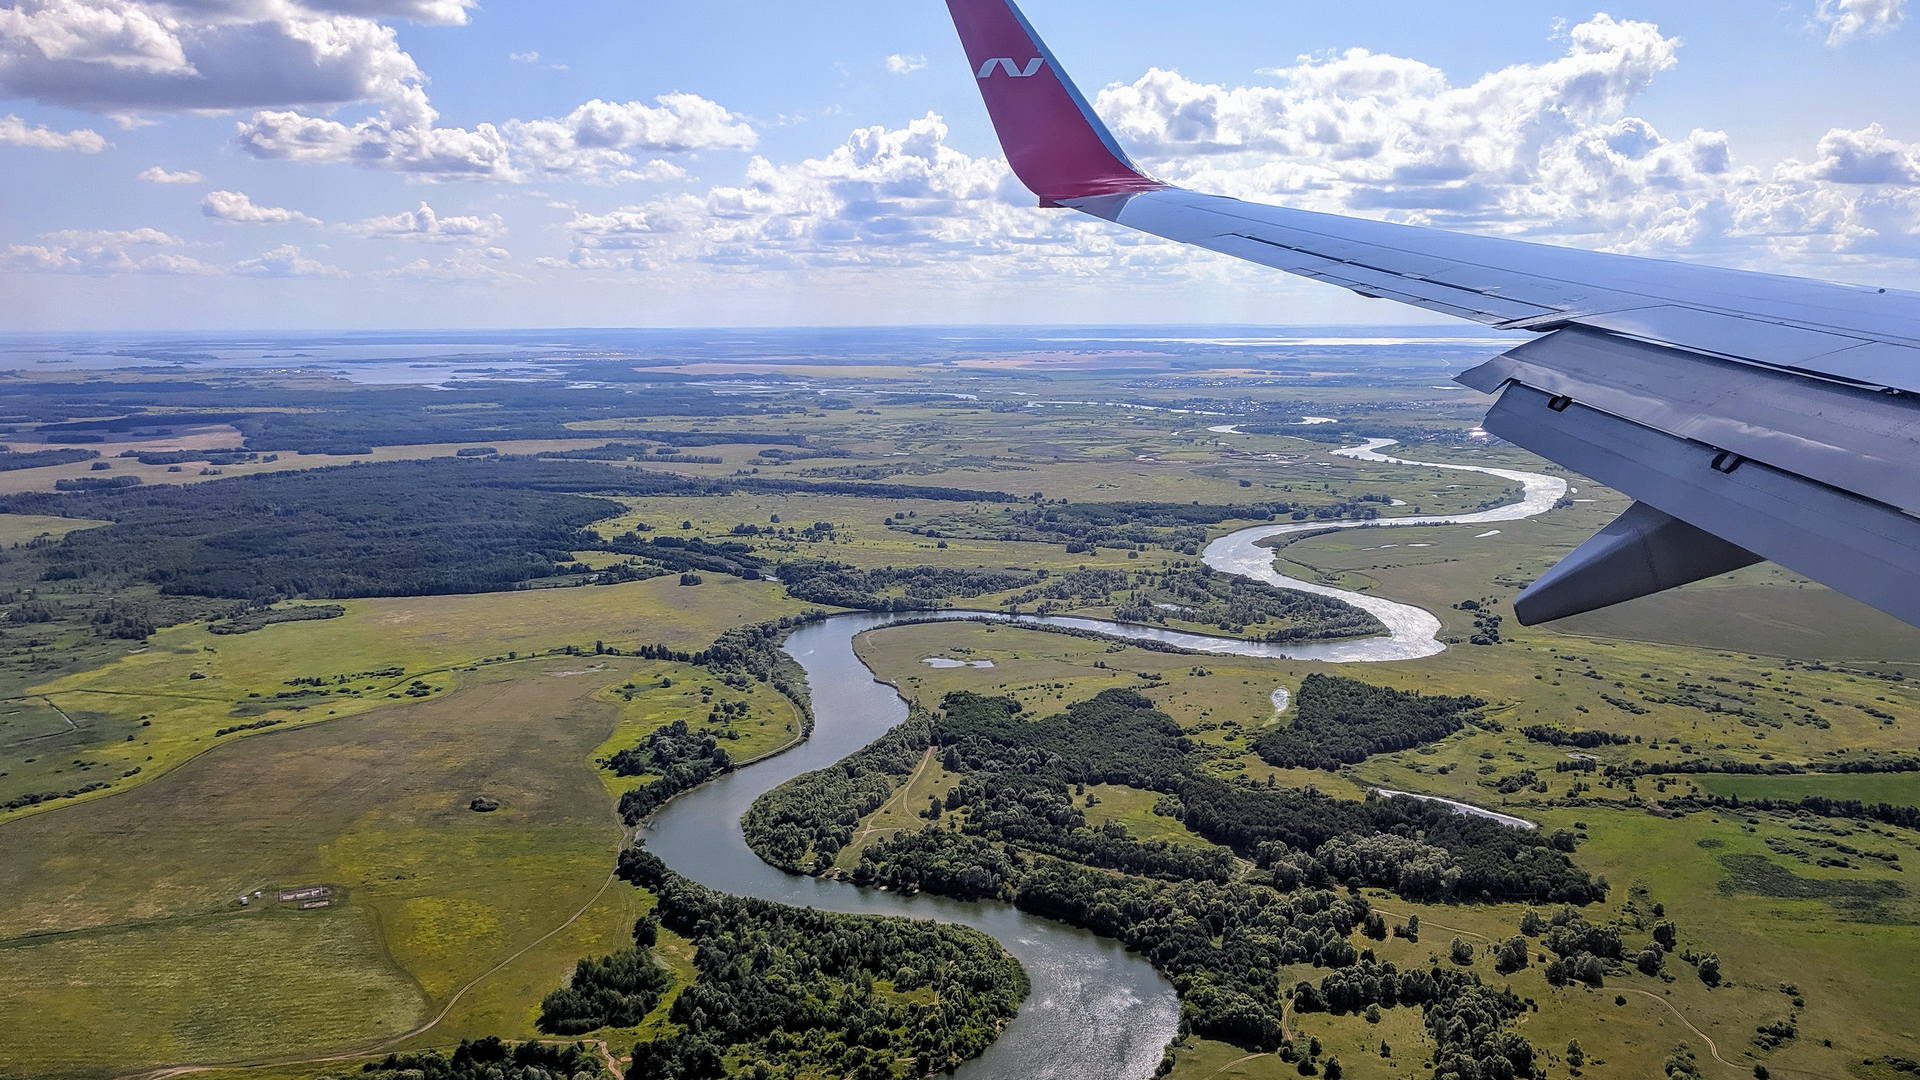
1053,140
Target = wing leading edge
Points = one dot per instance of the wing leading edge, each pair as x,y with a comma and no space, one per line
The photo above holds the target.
1753,416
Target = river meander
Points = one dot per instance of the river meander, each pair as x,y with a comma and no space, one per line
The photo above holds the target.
1096,1011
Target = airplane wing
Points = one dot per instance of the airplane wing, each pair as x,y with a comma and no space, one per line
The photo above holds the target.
1752,416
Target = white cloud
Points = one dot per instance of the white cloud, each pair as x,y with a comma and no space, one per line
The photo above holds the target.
593,140
438,12
156,175
1548,151
885,198
463,267
424,223
1866,156
656,171
286,261
535,58
1845,20
100,252
289,61
237,208
17,132
903,64
137,56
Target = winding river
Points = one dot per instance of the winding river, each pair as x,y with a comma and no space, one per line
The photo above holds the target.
1096,1010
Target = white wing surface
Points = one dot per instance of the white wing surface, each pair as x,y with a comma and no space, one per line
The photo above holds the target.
1753,416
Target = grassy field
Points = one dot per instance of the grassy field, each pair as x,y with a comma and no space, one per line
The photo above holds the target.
20,528
1899,789
426,894
164,702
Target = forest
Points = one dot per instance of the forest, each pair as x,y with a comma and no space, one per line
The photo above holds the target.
903,588
1130,524
803,823
1340,721
1014,828
12,460
174,553
799,992
1196,593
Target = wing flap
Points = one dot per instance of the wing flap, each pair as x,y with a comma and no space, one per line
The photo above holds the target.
1641,553
1865,549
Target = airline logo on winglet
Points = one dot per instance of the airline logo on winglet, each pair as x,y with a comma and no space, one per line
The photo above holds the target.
1006,64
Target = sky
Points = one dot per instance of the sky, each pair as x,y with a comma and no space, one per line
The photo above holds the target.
363,164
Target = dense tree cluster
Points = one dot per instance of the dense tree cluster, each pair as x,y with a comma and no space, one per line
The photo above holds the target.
1012,829
678,761
1576,737
1038,814
1468,1021
1906,817
11,460
683,554
617,990
805,992
96,483
1220,944
398,529
259,618
229,456
804,822
893,588
1131,524
1340,721
1198,593
492,1059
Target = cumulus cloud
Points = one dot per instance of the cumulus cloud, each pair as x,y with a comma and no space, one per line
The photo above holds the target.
237,208
656,171
100,252
1845,20
156,175
137,56
1864,156
424,223
287,261
884,198
17,132
1364,116
903,64
1549,150
592,140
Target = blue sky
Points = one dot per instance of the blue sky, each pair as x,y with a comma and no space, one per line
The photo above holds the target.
262,164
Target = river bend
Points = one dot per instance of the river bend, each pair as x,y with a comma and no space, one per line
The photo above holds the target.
1096,1012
